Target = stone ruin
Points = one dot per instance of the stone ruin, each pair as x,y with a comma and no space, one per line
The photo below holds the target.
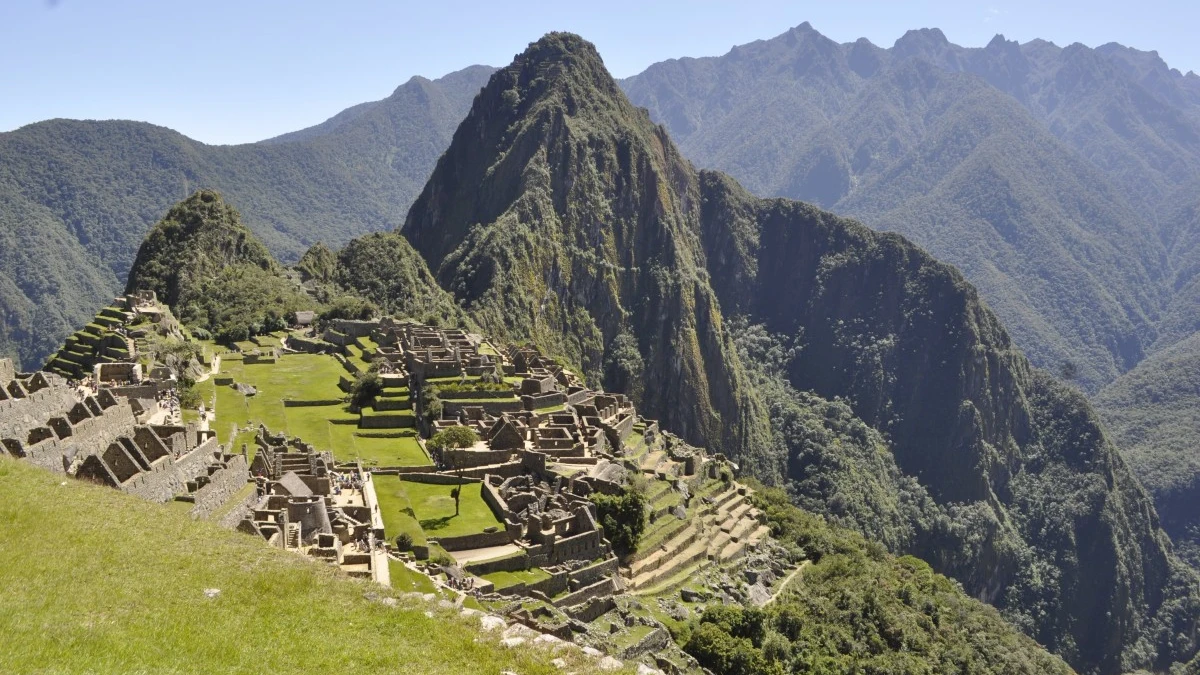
306,505
99,437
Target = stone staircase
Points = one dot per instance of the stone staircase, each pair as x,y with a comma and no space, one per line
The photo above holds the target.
293,535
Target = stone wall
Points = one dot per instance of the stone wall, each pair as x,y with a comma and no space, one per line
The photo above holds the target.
467,458
170,478
390,421
591,610
592,573
19,415
7,371
496,407
307,346
222,484
549,587
513,563
90,434
440,479
354,328
235,515
654,641
467,542
142,391
601,588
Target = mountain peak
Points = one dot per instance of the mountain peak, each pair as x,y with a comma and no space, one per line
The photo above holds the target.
558,47
915,40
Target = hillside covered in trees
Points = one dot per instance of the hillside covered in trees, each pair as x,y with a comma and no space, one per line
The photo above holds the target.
1046,174
77,197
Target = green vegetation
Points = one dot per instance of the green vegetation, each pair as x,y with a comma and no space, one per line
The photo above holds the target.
90,582
504,580
1153,413
214,273
384,269
922,424
856,609
623,518
434,507
367,385
70,235
453,437
1047,186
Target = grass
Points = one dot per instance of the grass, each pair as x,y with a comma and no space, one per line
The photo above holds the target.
434,508
78,602
409,581
504,580
394,507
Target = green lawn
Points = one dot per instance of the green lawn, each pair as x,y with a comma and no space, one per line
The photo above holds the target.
394,507
406,580
119,588
504,580
434,508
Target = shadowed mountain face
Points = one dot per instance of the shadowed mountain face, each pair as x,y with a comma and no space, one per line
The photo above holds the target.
77,197
561,214
1042,172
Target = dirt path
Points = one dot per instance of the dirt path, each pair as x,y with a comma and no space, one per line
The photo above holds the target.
783,586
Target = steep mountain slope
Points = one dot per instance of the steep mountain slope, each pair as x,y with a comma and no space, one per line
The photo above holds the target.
97,187
561,214
1153,413
1040,171
213,273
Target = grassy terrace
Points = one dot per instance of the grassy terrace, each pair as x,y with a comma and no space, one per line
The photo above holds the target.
434,508
504,580
77,602
395,507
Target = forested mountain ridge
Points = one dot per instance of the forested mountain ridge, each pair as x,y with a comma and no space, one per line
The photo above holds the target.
77,197
562,215
1043,172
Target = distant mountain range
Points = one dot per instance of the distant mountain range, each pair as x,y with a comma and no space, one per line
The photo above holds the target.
77,197
1046,174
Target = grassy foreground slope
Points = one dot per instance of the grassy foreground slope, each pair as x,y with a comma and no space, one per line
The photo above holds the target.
96,581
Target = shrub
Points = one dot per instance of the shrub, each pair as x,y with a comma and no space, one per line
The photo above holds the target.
623,517
366,387
453,437
404,541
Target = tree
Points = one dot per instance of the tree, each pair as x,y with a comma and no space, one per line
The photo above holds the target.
366,387
623,518
453,437
1068,371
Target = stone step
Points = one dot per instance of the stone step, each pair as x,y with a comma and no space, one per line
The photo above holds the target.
685,558
741,510
758,535
716,544
725,497
670,549
742,529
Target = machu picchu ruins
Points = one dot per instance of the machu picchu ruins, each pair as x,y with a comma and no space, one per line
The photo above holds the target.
507,518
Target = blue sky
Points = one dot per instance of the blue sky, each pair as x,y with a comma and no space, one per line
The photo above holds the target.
238,71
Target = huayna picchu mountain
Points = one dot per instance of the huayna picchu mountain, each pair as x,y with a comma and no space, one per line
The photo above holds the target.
561,214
